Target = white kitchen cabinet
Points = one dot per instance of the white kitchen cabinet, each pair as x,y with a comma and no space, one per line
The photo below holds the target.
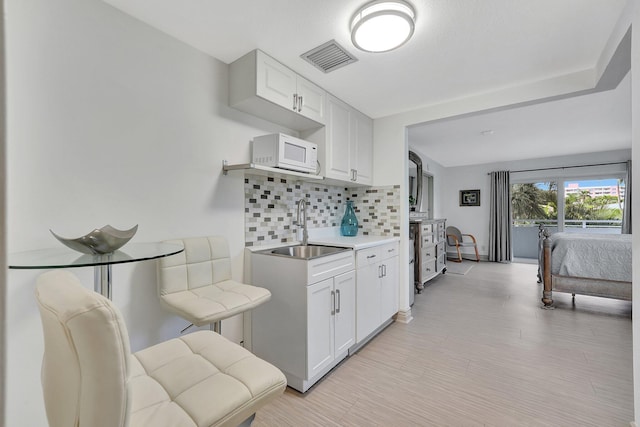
349,143
389,285
345,312
363,136
320,325
368,297
376,288
308,325
262,86
330,321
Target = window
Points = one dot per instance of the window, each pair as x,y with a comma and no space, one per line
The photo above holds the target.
593,206
532,203
583,206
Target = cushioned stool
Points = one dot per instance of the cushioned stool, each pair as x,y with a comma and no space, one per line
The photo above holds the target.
196,284
90,379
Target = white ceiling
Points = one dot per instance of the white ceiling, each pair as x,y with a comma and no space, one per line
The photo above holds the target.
583,124
460,48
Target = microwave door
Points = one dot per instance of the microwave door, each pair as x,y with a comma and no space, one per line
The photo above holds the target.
294,157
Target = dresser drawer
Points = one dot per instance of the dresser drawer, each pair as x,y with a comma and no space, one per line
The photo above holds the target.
427,228
429,251
429,268
427,239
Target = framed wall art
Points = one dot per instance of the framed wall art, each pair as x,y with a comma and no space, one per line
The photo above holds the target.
469,197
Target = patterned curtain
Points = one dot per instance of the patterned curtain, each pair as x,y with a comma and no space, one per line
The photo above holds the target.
626,212
500,218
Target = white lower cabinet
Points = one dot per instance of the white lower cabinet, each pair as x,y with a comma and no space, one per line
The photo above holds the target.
308,325
376,288
330,320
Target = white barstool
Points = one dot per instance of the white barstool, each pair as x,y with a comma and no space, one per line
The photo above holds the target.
196,284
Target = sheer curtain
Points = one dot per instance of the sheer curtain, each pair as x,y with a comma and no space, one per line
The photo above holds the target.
500,217
626,212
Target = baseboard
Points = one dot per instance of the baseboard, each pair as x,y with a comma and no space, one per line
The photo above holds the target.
404,316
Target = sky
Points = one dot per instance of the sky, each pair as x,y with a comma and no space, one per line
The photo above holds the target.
586,183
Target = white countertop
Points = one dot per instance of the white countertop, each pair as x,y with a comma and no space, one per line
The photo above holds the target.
330,236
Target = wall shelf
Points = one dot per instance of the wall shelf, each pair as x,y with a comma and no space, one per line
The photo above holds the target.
256,169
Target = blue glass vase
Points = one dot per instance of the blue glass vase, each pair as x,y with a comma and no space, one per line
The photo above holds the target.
349,224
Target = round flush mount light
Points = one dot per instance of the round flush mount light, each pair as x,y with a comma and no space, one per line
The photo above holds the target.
381,26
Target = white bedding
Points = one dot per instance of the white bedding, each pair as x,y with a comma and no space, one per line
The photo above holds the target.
596,256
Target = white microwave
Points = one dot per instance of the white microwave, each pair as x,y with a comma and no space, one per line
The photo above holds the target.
286,152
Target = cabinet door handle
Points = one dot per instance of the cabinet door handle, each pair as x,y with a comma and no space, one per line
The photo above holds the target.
384,270
355,174
299,103
333,303
295,101
379,271
338,305
371,256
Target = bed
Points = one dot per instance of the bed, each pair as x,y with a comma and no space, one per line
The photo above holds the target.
587,264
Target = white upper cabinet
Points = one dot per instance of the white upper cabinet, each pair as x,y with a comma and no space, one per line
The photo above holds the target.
264,87
349,143
311,100
362,160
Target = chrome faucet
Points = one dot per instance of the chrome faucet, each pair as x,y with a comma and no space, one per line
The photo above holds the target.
302,207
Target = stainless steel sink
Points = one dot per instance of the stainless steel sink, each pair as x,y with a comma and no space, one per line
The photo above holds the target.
306,251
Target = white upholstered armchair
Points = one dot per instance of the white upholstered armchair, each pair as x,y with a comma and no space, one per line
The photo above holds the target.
90,379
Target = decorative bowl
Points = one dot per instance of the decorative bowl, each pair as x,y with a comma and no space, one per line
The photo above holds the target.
100,241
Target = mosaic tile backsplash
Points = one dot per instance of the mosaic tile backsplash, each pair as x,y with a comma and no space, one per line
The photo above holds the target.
270,208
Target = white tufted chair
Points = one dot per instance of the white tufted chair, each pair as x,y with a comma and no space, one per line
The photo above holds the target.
196,284
90,379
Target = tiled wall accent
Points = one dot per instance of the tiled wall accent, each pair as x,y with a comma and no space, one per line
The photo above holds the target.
270,208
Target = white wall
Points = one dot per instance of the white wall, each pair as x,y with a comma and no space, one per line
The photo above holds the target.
111,122
634,15
475,219
3,223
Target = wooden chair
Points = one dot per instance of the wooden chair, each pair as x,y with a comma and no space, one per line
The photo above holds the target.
456,239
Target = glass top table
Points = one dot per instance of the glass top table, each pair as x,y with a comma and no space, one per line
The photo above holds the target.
66,258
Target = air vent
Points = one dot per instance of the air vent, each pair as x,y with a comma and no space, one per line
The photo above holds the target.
329,57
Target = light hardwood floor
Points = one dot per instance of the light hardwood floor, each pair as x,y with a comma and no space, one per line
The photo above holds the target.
481,352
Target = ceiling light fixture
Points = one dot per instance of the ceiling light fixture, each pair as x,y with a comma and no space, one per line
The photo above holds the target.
381,26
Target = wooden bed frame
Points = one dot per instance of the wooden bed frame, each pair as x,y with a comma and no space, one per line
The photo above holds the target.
577,285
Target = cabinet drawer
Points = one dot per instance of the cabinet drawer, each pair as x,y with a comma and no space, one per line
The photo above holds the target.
368,256
427,228
328,266
441,236
441,262
389,250
376,254
440,248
